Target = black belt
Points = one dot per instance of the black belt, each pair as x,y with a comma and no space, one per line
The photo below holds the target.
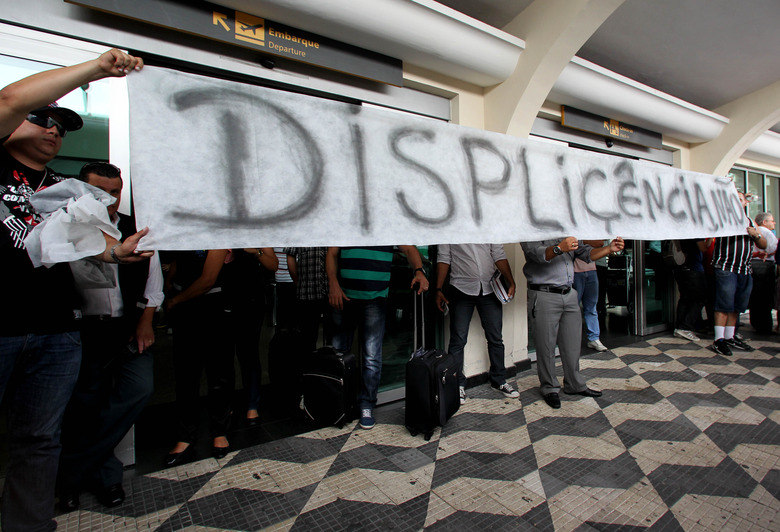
101,317
550,288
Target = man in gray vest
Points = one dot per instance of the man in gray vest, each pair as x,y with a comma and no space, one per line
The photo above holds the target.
553,305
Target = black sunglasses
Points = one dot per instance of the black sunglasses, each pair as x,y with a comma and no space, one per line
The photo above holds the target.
46,122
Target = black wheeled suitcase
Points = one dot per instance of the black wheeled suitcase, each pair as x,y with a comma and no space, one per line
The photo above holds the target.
329,382
431,384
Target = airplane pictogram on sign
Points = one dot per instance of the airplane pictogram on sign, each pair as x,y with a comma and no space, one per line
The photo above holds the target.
250,28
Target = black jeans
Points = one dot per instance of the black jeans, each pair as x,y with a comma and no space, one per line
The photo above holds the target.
491,316
246,324
310,314
693,296
114,385
286,305
762,298
199,326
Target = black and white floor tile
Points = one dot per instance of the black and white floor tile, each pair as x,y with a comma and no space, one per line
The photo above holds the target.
682,439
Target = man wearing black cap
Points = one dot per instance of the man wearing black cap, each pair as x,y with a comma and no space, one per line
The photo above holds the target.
40,348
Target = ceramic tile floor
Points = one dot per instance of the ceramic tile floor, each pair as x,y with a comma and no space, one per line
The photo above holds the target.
682,439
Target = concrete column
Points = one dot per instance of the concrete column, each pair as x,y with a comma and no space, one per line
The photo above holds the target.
554,30
749,117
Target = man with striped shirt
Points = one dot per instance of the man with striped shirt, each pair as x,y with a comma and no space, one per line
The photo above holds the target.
359,282
733,283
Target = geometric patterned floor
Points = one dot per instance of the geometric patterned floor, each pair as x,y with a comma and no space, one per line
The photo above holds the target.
682,439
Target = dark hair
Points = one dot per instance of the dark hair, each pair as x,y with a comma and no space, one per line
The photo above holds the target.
101,168
762,217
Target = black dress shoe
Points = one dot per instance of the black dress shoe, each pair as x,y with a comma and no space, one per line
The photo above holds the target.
220,452
552,399
175,459
110,496
69,502
587,392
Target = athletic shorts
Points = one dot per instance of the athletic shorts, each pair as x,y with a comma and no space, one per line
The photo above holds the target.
732,291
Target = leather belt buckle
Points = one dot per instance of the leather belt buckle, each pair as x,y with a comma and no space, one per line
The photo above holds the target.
563,290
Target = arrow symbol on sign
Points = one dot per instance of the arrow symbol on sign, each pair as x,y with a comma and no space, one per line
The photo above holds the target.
220,18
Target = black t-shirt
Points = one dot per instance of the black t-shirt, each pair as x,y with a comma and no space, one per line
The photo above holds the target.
35,300
694,258
244,278
189,267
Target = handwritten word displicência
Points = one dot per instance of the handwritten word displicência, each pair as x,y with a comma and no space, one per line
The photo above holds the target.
284,168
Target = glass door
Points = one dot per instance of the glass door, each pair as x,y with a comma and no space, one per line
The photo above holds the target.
654,296
399,323
616,293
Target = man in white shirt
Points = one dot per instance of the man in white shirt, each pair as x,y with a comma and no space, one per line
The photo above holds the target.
116,377
471,267
763,266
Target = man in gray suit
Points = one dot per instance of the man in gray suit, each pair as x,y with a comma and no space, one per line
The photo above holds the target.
553,305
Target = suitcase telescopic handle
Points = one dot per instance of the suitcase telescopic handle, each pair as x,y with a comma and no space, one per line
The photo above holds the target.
417,299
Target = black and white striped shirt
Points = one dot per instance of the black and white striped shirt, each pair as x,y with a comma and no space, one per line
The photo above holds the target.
733,253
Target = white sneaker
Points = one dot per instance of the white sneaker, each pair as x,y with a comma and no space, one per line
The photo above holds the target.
688,335
597,345
462,392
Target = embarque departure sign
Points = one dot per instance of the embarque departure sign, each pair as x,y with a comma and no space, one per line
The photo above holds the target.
220,164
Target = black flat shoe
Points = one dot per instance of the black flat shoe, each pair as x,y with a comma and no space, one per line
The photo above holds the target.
175,459
69,502
552,399
220,452
111,496
587,392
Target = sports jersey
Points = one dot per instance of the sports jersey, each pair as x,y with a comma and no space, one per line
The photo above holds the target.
733,253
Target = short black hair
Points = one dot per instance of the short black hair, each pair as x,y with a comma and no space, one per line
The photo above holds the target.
101,168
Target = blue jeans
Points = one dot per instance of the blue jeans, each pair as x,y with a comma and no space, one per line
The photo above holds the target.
112,389
587,286
491,315
39,372
368,316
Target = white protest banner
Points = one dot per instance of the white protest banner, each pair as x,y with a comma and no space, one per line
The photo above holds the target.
220,164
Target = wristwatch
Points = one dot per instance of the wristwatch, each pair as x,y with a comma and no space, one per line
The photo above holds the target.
557,250
420,270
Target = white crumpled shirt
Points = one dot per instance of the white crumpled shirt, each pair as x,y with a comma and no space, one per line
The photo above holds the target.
75,218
